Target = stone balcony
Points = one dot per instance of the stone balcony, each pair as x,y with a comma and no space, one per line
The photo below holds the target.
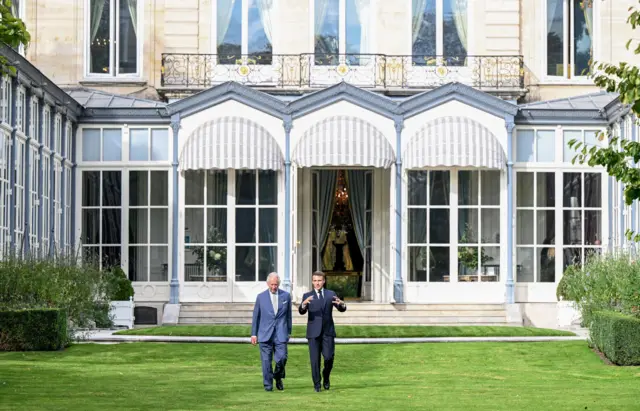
185,74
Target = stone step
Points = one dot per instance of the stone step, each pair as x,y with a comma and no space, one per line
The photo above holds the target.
352,307
499,320
354,314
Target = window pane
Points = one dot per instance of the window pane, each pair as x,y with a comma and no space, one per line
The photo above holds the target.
592,190
194,263
193,187
194,225
246,263
417,226
138,263
591,138
555,38
128,39
524,228
423,27
454,24
417,187
216,263
259,41
546,146
490,263
159,145
90,144
546,226
217,225
99,36
111,188
111,257
112,144
159,188
245,187
546,272
525,262
546,194
524,189
90,227
159,263
524,146
439,264
268,187
159,228
111,226
468,185
572,187
245,225
439,188
490,188
490,225
572,256
268,223
139,226
572,226
217,188
229,31
139,144
468,226
582,32
570,152
592,227
439,227
90,188
418,263
326,16
138,188
268,262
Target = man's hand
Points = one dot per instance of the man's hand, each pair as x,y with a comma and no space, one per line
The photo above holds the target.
254,340
308,300
338,301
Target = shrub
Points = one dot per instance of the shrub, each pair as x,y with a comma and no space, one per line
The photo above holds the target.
56,282
617,336
33,330
608,282
119,287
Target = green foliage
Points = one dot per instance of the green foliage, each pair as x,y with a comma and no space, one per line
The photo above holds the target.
617,336
57,282
13,33
119,287
608,282
33,330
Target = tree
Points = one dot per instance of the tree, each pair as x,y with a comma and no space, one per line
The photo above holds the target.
621,155
13,33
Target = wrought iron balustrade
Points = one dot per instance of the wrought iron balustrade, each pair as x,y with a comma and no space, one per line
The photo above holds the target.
198,71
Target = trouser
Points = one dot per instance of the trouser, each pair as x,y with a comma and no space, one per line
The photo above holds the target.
324,344
269,350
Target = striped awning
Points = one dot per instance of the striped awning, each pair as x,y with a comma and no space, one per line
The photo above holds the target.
231,142
343,141
454,142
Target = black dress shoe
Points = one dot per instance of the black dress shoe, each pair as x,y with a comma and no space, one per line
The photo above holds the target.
317,389
326,385
268,389
279,385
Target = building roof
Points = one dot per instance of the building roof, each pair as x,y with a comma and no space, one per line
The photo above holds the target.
90,98
593,101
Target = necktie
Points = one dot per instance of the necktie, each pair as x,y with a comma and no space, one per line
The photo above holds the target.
320,294
274,302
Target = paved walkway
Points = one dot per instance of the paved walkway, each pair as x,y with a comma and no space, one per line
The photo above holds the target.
107,336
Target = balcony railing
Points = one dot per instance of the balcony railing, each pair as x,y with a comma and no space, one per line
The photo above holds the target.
377,71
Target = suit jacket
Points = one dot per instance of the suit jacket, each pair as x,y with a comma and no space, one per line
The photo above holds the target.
320,319
266,324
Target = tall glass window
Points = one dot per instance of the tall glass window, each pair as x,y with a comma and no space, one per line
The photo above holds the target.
569,28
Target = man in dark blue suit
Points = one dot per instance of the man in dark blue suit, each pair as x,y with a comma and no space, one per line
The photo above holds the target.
321,332
271,328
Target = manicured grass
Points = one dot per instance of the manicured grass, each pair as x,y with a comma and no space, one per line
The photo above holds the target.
459,376
355,331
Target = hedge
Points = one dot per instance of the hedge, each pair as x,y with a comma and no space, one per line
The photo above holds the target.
617,336
33,330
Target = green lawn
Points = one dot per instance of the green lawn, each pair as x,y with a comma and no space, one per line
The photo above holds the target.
460,376
355,331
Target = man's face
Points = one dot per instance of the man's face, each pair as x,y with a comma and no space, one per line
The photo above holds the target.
317,281
273,284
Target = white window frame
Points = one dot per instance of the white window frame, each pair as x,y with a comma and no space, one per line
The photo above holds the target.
440,27
68,144
5,99
568,42
67,207
342,26
126,244
46,128
34,121
46,159
244,38
35,200
57,133
57,202
18,193
21,105
5,190
149,132
114,56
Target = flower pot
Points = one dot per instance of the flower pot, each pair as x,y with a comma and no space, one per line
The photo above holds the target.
122,313
568,314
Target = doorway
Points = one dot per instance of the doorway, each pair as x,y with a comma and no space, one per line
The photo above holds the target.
342,211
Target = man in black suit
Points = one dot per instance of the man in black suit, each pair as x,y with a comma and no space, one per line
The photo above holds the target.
321,332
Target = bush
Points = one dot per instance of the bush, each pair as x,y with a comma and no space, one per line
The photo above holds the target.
33,330
617,336
119,287
57,282
609,282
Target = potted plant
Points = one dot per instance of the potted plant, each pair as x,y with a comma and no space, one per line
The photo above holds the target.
468,255
120,292
216,256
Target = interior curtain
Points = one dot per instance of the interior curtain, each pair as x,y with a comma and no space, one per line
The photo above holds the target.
327,180
587,8
363,11
459,8
97,6
265,8
552,5
417,15
356,188
224,12
320,12
132,5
